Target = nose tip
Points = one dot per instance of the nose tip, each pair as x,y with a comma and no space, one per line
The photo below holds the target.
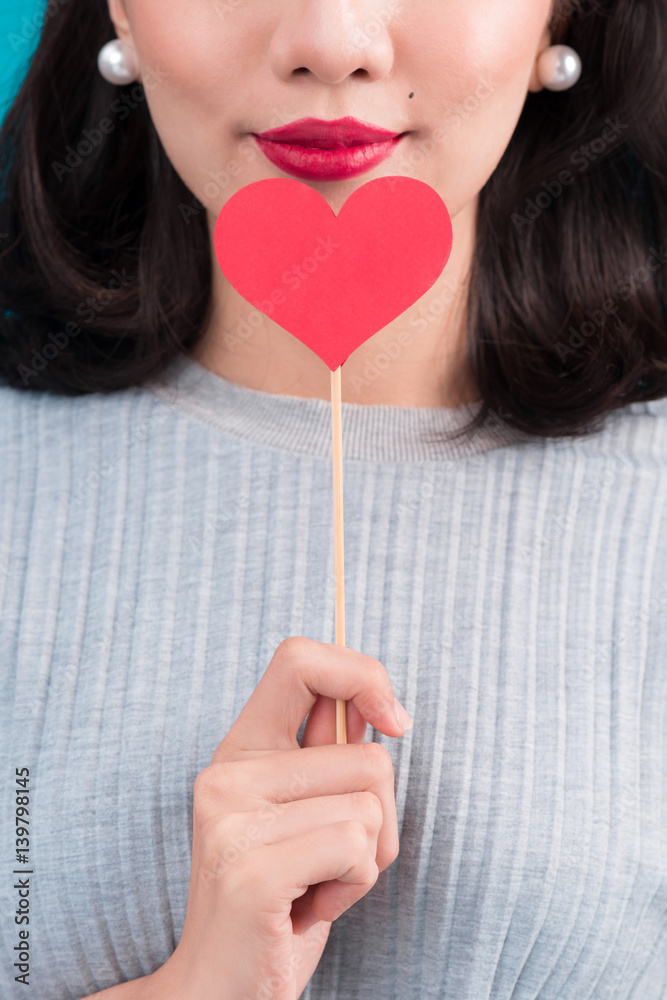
331,45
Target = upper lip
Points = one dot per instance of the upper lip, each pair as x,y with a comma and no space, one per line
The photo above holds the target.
320,134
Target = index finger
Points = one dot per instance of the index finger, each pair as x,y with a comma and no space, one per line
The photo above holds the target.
300,670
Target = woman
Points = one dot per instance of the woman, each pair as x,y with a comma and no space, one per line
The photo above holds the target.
167,588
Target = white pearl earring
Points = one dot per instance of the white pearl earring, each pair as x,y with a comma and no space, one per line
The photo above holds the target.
558,67
117,62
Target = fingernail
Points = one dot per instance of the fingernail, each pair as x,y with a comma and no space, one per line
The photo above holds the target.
402,717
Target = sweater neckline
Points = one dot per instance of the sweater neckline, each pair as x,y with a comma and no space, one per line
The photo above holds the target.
373,432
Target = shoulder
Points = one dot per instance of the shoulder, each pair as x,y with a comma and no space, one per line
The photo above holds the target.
631,436
637,431
43,424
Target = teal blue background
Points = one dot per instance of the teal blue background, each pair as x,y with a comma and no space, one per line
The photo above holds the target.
20,30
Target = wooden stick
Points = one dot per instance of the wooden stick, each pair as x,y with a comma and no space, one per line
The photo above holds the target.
337,457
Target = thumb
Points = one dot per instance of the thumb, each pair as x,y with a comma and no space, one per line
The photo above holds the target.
321,723
301,672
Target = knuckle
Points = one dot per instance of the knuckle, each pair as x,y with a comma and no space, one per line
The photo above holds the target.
357,835
206,782
208,789
372,874
372,663
203,786
373,809
293,649
220,832
379,758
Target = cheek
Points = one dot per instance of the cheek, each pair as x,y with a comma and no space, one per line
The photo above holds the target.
191,45
460,44
473,62
193,50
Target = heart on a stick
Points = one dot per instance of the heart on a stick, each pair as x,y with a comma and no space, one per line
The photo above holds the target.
333,281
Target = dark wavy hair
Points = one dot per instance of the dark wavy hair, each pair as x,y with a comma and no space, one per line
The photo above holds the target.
102,282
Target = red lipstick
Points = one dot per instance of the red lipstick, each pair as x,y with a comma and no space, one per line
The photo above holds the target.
314,149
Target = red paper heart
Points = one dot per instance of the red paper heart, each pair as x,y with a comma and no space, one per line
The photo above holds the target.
333,281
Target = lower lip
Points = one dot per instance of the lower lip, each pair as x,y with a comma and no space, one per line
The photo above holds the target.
326,164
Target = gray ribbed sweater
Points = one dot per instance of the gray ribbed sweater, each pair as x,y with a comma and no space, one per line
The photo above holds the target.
158,543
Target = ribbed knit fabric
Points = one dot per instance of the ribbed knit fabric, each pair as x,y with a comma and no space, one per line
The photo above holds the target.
157,544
